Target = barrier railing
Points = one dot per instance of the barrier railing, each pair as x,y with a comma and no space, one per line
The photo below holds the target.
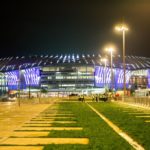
142,101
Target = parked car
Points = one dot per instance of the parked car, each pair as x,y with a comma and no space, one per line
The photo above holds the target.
7,98
12,98
4,98
103,97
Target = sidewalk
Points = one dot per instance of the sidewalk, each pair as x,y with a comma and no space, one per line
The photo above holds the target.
12,116
133,105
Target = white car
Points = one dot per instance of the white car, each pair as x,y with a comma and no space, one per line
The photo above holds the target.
12,98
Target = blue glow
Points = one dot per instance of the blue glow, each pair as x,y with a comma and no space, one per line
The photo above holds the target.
100,80
100,72
23,79
32,76
149,78
12,79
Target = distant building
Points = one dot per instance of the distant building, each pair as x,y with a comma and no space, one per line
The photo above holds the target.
71,73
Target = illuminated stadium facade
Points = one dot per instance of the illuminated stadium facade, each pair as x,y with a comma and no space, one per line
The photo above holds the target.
71,73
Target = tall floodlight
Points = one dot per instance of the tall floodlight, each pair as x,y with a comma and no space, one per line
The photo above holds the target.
19,83
110,50
122,28
105,62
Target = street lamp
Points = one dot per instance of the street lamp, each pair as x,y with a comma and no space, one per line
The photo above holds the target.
122,28
110,49
19,83
105,61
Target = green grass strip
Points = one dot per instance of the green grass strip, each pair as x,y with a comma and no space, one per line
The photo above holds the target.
135,127
101,136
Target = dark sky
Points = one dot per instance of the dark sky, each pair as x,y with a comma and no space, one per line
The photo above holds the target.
73,27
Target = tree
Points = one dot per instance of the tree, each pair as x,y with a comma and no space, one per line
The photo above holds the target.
44,91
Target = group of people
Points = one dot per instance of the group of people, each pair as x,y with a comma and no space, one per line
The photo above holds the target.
81,98
100,97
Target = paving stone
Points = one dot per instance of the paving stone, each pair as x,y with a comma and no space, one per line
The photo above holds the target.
13,121
48,128
131,111
55,111
29,134
40,119
143,116
48,122
47,115
52,117
21,147
37,125
44,141
139,113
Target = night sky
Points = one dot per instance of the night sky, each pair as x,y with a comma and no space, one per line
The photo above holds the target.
65,27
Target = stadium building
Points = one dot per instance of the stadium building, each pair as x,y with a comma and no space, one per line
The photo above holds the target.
71,73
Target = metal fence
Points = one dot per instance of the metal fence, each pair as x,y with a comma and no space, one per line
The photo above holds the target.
142,101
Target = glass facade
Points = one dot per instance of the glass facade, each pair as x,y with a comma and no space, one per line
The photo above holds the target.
21,79
103,77
72,78
67,77
3,84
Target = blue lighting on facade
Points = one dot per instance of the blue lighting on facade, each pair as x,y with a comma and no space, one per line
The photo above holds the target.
149,78
100,72
32,76
23,78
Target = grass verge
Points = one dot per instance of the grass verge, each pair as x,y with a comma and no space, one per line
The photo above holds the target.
101,136
133,126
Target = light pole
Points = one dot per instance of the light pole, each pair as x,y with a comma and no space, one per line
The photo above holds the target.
29,89
105,61
29,85
19,82
123,29
110,49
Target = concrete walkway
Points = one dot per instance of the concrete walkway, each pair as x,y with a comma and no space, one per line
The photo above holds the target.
12,116
33,130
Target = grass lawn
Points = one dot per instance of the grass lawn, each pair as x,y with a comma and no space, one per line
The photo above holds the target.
121,115
100,135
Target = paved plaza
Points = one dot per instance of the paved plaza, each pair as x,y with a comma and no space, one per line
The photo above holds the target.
30,124
33,126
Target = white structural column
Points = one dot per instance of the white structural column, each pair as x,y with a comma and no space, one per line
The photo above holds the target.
104,75
123,29
110,50
124,63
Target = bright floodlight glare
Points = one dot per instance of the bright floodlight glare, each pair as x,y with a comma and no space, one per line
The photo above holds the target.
104,60
110,49
121,28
